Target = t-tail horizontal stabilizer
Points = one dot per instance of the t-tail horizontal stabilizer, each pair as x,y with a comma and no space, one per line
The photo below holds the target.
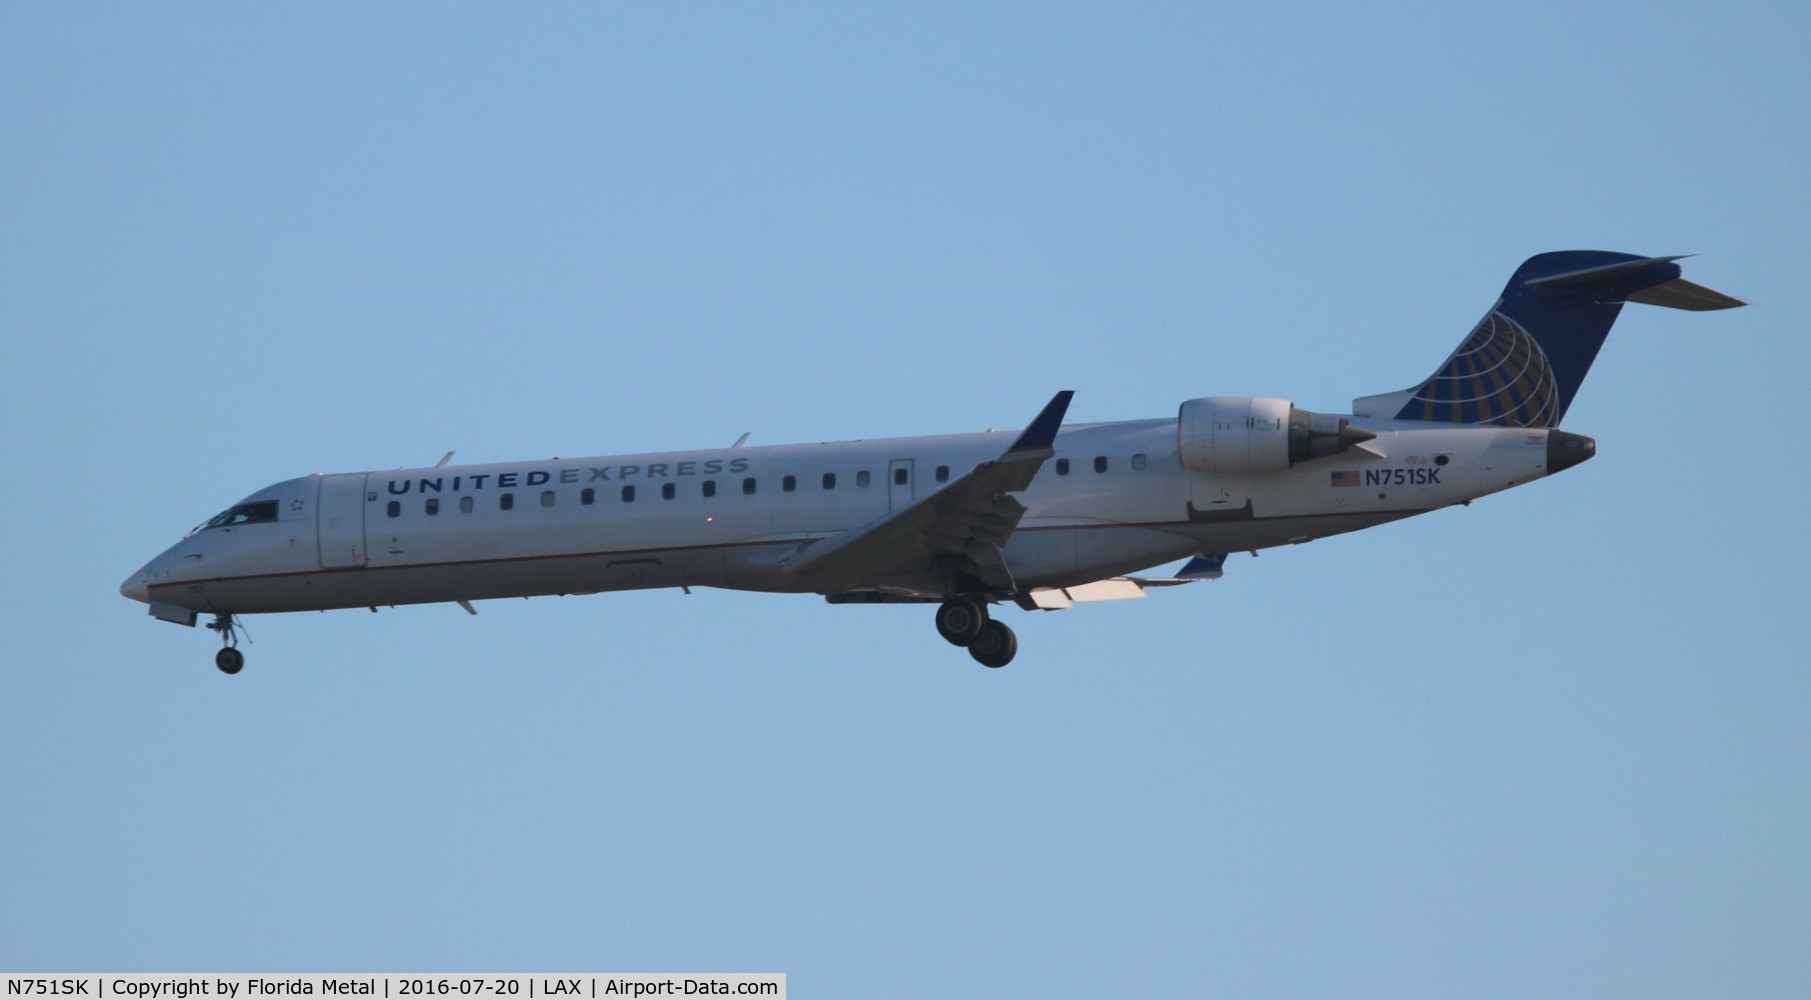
1675,294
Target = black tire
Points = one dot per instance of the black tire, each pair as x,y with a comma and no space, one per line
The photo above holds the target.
229,660
995,646
960,619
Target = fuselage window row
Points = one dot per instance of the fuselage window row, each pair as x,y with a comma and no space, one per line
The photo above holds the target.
252,513
707,488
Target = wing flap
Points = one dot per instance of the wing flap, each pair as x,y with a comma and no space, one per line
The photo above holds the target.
1122,588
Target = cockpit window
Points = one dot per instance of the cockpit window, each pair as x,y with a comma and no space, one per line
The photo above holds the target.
245,513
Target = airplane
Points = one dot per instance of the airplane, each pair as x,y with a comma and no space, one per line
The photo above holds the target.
1044,518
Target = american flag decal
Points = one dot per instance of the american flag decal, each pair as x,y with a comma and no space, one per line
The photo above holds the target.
1346,478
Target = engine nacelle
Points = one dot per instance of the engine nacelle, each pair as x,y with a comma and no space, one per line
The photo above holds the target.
1242,434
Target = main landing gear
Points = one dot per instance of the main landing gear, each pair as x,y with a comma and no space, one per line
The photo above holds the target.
229,659
963,621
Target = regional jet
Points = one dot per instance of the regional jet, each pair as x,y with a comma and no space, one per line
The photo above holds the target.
1044,518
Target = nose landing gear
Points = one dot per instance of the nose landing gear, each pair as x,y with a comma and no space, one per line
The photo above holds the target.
229,659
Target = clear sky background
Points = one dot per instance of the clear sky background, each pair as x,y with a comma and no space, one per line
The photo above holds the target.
1553,744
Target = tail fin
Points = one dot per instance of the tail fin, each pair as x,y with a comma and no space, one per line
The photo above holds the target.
1523,363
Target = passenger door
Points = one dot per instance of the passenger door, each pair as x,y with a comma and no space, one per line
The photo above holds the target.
341,521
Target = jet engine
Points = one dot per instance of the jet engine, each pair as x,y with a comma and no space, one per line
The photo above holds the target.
1241,434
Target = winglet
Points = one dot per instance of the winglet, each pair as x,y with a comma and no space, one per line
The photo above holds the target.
1041,433
1209,567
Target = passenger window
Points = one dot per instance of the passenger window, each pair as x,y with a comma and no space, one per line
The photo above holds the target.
432,506
1062,466
507,501
829,480
861,479
628,494
546,498
668,491
748,486
710,487
587,496
1138,462
465,505
395,508
899,477
943,473
789,483
1100,463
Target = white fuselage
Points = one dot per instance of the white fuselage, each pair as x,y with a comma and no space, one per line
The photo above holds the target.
1113,500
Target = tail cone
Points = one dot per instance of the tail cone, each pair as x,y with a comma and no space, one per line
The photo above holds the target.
1564,450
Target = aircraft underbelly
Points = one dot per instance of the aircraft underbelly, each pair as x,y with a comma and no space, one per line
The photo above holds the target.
1264,533
1106,550
372,586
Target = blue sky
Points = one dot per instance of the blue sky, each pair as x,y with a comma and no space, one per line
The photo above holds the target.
1552,744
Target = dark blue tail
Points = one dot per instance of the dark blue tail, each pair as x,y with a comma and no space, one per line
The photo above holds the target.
1524,362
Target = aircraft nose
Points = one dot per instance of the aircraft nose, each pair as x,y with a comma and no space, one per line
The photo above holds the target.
138,586
135,588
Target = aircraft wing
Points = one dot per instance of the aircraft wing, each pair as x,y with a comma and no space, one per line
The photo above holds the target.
959,529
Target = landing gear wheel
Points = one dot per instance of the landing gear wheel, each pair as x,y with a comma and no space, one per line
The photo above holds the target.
960,619
229,660
995,646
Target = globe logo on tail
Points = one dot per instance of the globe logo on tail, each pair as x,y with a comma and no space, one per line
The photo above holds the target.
1499,375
